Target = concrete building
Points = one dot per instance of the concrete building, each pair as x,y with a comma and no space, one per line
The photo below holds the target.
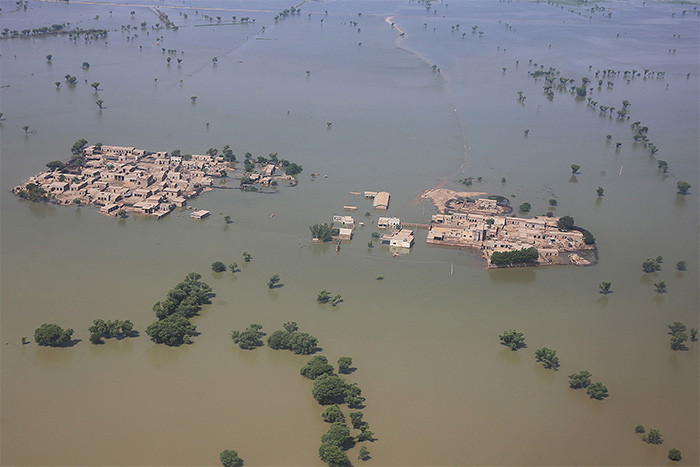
381,200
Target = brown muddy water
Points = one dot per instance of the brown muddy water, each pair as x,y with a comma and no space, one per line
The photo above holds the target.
440,389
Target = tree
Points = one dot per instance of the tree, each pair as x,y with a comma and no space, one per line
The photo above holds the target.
553,202
674,454
323,296
86,65
316,367
680,266
227,219
356,419
193,99
605,287
218,266
122,213
328,389
660,287
600,191
247,257
650,265
233,267
597,390
338,434
26,129
109,329
95,85
58,84
683,187
229,458
525,207
344,364
52,335
693,334
333,455
364,453
55,165
99,103
547,357
522,256
249,338
653,437
78,147
49,57
580,380
512,338
639,429
173,330
588,238
574,168
333,414
336,299
321,232
365,434
663,165
273,281
565,223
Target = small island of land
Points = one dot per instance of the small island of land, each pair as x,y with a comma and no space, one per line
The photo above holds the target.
120,179
504,241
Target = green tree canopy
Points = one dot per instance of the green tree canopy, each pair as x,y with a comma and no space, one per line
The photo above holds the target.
580,380
547,357
512,339
597,390
328,389
52,335
173,330
522,256
565,223
229,458
653,437
333,414
674,454
249,338
317,366
344,364
218,266
333,455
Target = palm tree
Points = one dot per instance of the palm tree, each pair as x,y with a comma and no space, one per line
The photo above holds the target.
193,99
26,129
95,85
58,84
99,103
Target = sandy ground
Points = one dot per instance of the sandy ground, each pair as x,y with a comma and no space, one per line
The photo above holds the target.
440,196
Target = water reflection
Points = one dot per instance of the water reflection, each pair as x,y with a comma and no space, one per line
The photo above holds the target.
509,356
573,179
513,275
602,301
51,356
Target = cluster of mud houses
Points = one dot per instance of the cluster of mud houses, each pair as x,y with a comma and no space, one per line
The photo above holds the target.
491,232
116,178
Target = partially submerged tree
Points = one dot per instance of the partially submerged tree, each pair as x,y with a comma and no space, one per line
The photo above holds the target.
512,338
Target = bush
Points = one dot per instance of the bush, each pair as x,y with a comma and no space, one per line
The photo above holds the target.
639,429
674,454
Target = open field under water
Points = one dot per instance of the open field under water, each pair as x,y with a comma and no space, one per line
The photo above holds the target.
440,388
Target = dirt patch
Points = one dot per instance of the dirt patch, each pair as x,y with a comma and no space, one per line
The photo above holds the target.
440,196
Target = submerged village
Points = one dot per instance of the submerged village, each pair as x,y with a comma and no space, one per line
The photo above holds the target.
121,180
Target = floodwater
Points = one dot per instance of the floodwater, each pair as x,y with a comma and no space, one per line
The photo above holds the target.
440,389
